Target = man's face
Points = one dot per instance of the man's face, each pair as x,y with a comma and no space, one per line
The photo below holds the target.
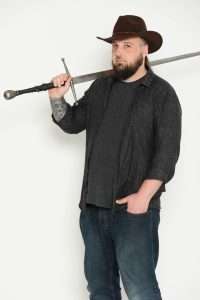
127,56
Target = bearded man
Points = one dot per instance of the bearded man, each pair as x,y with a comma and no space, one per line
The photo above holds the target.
132,120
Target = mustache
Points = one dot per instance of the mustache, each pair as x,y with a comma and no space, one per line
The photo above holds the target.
118,60
126,70
119,63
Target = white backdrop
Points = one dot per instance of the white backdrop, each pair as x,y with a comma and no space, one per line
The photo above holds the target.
41,167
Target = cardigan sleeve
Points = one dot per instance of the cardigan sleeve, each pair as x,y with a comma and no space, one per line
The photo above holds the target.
168,123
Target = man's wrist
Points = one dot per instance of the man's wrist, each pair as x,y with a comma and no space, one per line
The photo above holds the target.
148,188
55,98
144,196
59,108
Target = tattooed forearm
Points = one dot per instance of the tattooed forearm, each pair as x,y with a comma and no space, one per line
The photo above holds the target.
59,108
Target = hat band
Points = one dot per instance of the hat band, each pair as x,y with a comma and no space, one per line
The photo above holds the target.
129,32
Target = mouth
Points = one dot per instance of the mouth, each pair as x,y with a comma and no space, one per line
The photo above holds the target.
119,65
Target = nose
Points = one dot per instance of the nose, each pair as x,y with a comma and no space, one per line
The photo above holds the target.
118,53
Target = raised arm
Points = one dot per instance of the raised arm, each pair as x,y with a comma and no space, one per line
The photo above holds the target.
70,118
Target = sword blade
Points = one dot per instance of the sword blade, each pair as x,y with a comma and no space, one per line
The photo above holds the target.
96,75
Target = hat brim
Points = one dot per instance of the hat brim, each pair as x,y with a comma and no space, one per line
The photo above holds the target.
153,38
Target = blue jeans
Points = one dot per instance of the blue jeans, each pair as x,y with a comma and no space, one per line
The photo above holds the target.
119,243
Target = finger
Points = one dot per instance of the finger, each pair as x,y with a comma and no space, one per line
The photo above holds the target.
54,82
121,201
68,80
66,83
59,79
64,77
57,82
62,81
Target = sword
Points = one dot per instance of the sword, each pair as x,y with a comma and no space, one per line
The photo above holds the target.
96,75
9,94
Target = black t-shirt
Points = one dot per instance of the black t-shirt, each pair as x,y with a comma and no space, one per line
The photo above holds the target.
111,147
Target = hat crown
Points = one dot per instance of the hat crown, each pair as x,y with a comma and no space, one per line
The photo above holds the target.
132,26
129,23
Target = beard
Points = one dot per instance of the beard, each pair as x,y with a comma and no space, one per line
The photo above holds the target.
128,70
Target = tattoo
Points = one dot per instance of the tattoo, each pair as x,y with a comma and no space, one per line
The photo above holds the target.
59,108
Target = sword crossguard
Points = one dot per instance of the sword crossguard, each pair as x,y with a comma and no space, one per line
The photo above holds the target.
71,83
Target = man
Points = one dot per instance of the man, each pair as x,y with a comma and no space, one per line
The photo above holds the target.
133,131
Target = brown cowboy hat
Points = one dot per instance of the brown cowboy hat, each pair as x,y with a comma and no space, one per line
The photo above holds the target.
129,26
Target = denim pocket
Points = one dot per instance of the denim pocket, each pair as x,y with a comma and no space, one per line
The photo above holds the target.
137,214
123,207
